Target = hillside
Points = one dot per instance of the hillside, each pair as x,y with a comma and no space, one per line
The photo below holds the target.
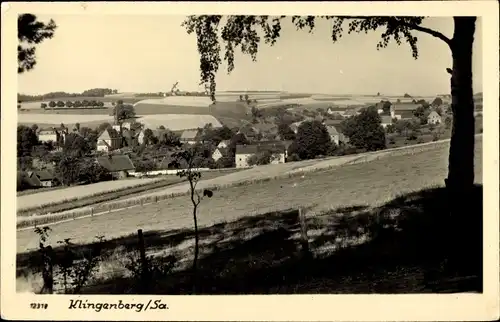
373,182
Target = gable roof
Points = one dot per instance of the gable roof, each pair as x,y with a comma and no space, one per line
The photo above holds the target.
433,114
260,147
108,134
405,106
44,175
116,163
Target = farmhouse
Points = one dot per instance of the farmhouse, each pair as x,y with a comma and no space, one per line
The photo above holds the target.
46,135
108,140
117,165
278,148
190,136
434,118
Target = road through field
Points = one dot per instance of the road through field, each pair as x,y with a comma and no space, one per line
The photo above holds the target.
364,183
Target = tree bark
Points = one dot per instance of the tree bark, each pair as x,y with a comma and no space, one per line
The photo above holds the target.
460,181
461,157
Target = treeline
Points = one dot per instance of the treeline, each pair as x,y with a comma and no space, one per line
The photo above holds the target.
72,104
93,92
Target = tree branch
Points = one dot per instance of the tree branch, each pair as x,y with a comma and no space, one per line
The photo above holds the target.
427,31
411,26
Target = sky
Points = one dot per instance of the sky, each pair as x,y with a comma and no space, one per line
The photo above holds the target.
146,53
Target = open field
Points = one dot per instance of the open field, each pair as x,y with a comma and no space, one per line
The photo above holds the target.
62,118
80,111
96,199
177,122
373,182
53,196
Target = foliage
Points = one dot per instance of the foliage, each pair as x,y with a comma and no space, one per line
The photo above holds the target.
285,132
386,106
144,165
31,32
76,145
125,111
157,267
422,113
438,101
312,140
26,140
365,130
73,269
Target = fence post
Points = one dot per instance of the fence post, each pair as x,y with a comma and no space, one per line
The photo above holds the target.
144,264
156,199
91,211
303,233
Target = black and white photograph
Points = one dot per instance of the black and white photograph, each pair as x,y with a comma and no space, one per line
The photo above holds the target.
170,152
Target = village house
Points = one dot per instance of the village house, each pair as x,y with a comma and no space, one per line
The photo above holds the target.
336,110
117,165
219,153
334,134
250,132
224,143
433,118
244,152
46,135
108,140
190,136
35,179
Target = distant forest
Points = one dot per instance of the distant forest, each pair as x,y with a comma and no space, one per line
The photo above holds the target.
94,92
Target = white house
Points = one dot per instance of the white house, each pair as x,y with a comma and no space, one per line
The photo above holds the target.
434,118
334,134
109,140
218,153
244,152
46,135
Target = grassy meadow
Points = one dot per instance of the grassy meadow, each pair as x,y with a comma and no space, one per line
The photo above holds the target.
373,182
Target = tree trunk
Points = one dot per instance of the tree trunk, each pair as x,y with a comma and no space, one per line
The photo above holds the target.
461,157
463,226
196,251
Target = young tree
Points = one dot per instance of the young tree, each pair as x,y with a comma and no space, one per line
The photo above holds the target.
69,104
43,105
52,104
60,104
31,32
312,140
191,158
438,101
239,31
365,130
